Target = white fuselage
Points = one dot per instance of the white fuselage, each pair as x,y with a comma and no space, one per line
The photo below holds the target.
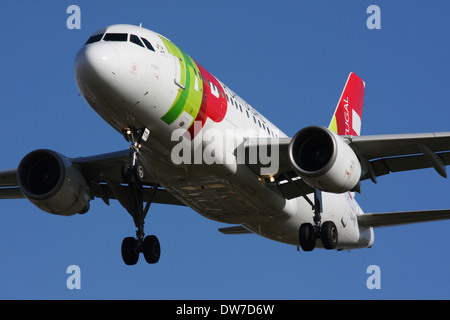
130,85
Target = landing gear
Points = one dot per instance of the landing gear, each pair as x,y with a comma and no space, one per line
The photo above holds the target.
134,167
131,248
132,198
327,232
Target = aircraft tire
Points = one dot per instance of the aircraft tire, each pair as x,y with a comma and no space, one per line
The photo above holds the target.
329,235
138,172
152,249
130,254
126,173
306,237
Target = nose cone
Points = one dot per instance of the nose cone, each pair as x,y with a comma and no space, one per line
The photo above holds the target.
97,62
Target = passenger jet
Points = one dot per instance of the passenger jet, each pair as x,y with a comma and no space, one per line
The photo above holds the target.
194,142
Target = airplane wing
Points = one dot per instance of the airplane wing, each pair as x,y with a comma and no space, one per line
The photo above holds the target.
378,154
103,173
383,154
396,218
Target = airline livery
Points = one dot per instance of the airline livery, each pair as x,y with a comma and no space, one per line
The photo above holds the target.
194,142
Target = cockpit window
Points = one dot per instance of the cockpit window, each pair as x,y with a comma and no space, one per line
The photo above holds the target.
123,37
148,44
116,37
135,40
94,38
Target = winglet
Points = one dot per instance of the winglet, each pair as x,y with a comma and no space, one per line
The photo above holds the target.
348,114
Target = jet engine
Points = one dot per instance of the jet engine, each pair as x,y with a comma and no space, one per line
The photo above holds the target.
52,183
324,161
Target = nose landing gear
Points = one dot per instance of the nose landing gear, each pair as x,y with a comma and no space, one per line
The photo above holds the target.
132,198
134,167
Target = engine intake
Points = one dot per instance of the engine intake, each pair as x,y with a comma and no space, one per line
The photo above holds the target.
52,183
324,161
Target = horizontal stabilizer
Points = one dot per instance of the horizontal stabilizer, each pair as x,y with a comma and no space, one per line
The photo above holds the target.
234,230
396,218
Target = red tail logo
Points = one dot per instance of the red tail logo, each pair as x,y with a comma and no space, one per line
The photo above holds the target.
347,117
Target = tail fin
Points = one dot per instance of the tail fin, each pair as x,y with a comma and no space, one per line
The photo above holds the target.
348,114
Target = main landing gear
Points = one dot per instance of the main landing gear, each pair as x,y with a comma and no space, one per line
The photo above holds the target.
327,231
132,199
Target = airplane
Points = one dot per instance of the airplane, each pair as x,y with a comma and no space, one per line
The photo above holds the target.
193,142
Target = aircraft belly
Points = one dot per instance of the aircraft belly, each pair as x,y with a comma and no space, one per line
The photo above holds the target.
218,201
285,230
218,194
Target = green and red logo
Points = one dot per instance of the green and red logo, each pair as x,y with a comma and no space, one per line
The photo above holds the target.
200,95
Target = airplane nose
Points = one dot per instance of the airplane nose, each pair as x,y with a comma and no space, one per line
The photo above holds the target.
97,59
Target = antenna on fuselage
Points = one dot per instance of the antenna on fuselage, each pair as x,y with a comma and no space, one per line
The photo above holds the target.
140,25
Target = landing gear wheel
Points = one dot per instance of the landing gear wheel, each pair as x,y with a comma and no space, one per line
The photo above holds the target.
138,172
306,235
329,235
127,173
151,249
130,253
134,167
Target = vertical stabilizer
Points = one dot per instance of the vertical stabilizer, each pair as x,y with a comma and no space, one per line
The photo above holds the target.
348,114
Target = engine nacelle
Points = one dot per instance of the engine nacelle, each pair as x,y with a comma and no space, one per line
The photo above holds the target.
324,161
52,183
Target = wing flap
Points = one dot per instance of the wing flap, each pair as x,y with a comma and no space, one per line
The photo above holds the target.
397,218
396,164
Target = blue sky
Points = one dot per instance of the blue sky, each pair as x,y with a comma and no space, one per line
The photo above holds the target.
289,60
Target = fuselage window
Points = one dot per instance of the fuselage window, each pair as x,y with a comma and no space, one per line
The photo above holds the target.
94,38
135,40
148,44
116,37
